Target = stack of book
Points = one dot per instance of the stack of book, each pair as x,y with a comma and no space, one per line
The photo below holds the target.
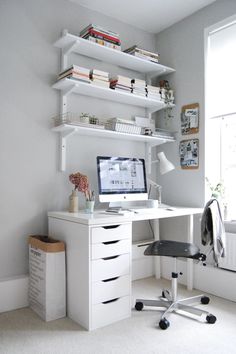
75,72
121,83
139,87
101,36
143,54
99,78
154,92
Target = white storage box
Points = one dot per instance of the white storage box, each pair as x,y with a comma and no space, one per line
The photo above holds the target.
142,266
47,283
123,128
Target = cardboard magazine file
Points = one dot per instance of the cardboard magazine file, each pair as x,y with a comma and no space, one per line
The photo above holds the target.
47,278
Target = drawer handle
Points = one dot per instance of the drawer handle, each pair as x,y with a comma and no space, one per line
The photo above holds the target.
110,279
107,258
108,301
110,227
110,242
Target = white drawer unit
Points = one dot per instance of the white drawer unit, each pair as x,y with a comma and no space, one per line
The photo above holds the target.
105,290
110,248
111,311
98,270
111,232
109,267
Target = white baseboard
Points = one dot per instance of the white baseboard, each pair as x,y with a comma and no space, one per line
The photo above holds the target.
14,293
213,280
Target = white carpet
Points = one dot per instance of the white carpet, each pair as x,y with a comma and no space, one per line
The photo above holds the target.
22,331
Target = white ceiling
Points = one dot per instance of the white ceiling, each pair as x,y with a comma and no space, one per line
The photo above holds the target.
149,15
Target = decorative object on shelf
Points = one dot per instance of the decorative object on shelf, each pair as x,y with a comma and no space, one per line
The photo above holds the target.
84,118
189,153
167,95
81,184
93,120
147,131
190,119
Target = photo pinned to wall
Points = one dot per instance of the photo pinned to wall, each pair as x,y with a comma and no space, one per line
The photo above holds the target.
190,119
189,153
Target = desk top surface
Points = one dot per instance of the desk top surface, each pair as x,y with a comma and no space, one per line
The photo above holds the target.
100,217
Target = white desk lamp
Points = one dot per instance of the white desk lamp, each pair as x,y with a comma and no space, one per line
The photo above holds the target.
165,167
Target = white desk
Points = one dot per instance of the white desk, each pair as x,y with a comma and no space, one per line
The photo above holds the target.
98,248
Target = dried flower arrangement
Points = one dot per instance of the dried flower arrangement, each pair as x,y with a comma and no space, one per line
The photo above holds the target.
81,183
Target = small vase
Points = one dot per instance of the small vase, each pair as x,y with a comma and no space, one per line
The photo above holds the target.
89,206
73,202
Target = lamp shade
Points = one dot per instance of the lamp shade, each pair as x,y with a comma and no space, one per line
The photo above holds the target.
165,165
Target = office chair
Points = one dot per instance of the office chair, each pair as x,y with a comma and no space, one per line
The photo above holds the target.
169,300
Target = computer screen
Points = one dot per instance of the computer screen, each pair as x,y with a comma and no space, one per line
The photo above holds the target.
121,179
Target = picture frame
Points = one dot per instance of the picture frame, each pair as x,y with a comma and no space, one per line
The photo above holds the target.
189,154
190,119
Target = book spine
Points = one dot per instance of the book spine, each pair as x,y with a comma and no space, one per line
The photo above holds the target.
99,29
104,43
104,36
61,76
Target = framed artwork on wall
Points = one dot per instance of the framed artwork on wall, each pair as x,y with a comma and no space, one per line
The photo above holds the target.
189,154
190,119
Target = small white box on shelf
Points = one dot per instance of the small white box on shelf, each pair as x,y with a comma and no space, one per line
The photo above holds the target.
142,266
47,278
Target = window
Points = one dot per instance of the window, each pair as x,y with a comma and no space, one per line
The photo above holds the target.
220,136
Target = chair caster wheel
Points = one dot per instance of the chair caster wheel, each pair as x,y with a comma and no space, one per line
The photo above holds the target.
139,306
163,293
164,323
205,300
211,318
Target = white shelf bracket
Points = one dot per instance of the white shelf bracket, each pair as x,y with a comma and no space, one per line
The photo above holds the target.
63,100
148,158
68,49
69,90
63,141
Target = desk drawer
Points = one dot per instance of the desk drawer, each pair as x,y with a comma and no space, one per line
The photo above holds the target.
110,289
111,232
117,309
111,248
106,268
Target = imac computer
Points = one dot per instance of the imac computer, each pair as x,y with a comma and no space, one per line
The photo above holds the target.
121,179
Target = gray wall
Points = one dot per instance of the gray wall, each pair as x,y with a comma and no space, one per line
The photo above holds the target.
30,182
182,47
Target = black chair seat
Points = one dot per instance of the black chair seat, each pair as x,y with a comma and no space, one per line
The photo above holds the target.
173,249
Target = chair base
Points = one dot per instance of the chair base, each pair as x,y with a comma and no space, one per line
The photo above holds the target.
181,306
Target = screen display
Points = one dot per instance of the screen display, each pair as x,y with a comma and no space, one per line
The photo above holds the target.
120,175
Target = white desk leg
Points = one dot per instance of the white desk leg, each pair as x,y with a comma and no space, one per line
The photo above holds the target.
157,260
190,261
